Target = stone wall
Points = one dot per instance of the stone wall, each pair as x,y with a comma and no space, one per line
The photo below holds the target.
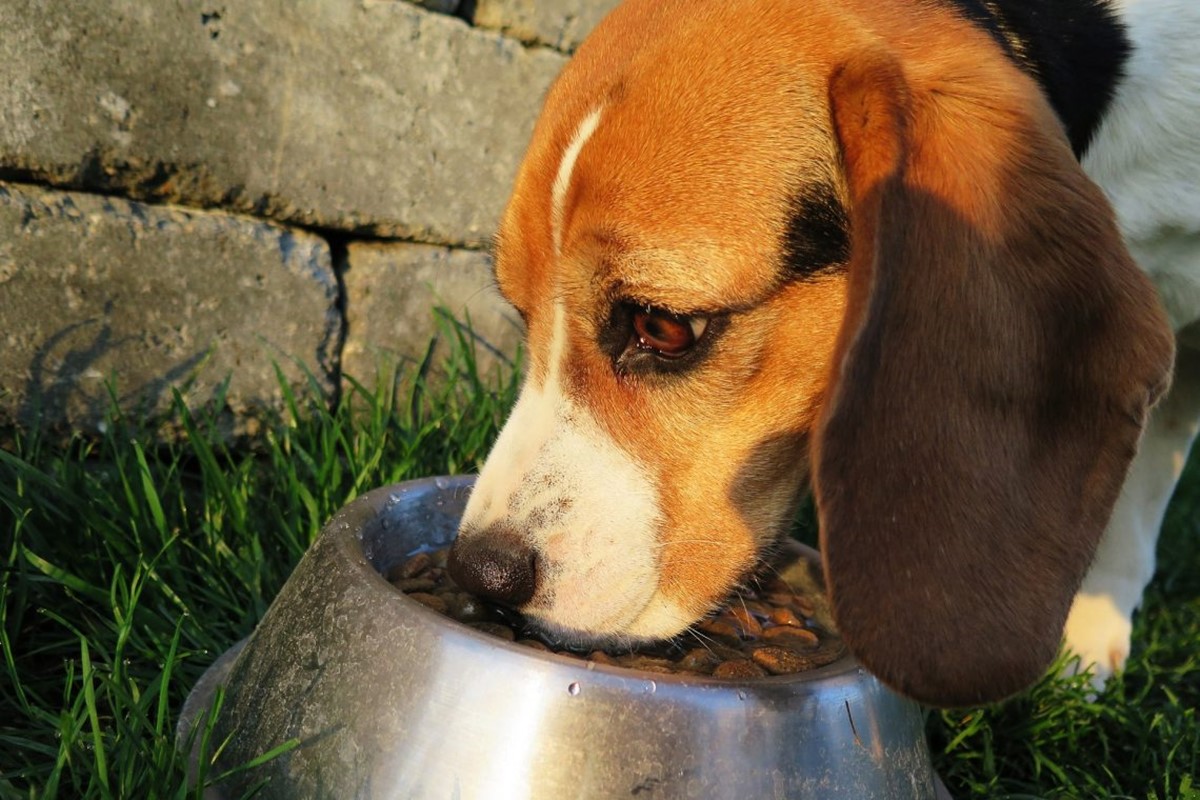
195,192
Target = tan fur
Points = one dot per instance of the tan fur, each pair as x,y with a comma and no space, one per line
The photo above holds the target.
721,257
715,113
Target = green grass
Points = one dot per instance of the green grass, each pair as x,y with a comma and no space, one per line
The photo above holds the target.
128,566
1139,739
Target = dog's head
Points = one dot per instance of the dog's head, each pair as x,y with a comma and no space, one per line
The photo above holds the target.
755,247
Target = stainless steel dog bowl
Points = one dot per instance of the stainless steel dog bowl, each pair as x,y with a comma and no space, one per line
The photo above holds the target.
391,700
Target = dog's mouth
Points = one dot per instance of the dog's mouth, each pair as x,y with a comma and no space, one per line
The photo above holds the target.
646,633
775,617
561,639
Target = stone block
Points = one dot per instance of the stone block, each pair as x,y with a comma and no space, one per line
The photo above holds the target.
391,293
440,6
94,289
373,116
561,24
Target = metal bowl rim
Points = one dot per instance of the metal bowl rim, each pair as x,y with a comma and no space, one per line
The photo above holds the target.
844,667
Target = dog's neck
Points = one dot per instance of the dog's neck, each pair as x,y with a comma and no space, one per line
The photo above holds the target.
1076,50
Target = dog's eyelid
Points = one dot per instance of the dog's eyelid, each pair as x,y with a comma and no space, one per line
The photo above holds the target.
650,306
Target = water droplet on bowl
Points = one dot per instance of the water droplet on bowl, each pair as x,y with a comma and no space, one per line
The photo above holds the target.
651,687
573,689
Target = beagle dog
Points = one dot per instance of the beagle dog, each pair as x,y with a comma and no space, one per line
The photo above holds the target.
928,257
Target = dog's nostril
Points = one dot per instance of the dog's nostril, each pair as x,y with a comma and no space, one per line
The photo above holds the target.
496,566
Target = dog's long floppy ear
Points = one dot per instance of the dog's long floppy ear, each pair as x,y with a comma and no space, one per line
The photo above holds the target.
998,359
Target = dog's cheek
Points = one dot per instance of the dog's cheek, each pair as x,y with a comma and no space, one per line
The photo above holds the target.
706,548
767,488
698,575
717,534
738,497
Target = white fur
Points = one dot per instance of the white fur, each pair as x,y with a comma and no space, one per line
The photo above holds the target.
588,508
566,168
1101,618
1146,157
1146,154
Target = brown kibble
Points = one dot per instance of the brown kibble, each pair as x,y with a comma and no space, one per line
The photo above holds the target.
761,633
828,653
759,609
775,585
416,565
739,668
495,629
720,630
747,625
430,601
647,663
785,599
655,667
785,616
698,660
409,585
798,603
791,636
780,660
724,652
601,657
804,606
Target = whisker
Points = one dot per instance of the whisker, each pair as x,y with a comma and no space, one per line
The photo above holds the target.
701,638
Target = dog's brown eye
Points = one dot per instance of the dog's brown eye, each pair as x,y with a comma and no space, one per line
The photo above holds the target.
667,334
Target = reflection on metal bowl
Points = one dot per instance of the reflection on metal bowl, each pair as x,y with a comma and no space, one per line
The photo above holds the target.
389,699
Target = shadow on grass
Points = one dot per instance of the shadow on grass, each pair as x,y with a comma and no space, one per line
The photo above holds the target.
128,562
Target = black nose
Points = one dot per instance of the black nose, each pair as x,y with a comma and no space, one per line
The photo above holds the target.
495,565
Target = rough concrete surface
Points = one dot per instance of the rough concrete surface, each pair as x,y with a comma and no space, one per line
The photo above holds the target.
373,116
325,138
391,292
562,25
97,288
441,6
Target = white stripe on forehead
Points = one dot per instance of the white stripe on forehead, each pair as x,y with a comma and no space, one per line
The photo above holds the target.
562,181
558,346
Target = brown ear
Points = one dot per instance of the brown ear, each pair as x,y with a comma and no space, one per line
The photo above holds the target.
998,359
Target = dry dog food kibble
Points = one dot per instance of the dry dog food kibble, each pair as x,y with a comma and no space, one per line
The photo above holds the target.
770,631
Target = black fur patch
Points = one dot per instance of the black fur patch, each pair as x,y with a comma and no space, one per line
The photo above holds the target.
817,239
1076,50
